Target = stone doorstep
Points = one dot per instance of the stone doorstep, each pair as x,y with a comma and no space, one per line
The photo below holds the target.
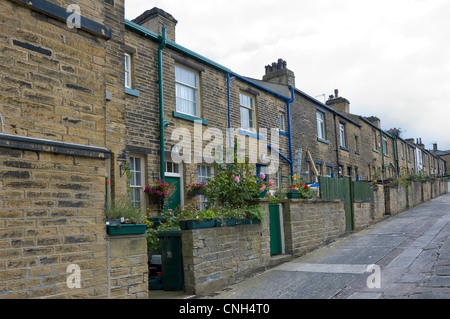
276,260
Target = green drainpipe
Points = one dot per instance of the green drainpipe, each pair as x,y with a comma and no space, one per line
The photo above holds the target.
382,154
394,143
162,124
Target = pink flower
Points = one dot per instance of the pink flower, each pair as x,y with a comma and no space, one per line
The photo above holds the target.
236,179
263,187
262,175
271,182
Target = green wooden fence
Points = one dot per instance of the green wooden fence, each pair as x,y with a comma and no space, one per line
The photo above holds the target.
362,191
335,188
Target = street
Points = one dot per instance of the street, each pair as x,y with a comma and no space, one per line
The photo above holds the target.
404,256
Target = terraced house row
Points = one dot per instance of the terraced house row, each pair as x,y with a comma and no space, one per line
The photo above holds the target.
92,104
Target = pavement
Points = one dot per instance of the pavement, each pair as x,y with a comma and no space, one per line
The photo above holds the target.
405,256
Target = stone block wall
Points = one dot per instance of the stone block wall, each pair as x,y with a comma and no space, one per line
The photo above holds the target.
309,224
362,214
51,216
426,191
395,199
214,258
127,266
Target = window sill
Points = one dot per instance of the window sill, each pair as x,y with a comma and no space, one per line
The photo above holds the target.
188,117
323,141
345,149
357,153
251,134
132,92
284,133
376,151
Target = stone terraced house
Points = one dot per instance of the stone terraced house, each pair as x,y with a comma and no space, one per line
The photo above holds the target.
85,93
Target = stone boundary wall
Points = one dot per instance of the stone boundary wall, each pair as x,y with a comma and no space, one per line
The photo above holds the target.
214,258
309,224
127,266
399,198
366,213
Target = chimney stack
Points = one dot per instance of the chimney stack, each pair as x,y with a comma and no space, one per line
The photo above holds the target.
338,103
374,120
155,19
278,72
435,147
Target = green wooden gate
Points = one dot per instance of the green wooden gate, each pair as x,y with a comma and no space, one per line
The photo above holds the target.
347,190
275,229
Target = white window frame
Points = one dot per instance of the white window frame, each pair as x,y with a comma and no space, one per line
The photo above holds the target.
320,119
385,152
179,85
128,71
329,171
247,107
282,122
137,183
342,134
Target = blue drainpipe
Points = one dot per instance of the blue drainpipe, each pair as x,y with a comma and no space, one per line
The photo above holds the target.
228,99
288,106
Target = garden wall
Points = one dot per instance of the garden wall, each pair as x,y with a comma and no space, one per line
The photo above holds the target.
127,266
214,258
396,199
309,224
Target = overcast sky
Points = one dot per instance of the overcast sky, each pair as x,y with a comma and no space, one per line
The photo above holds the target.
390,59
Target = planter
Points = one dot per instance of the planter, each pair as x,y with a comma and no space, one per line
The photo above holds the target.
252,221
229,221
196,224
125,229
294,195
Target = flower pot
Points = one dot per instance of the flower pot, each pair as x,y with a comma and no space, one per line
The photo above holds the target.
294,195
125,229
227,221
196,224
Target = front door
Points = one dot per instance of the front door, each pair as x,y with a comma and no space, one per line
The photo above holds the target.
175,200
174,175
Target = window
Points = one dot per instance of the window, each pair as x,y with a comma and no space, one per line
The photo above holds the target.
247,112
329,171
356,144
319,169
342,134
320,125
204,172
385,150
374,139
172,167
282,126
186,88
349,171
136,180
128,71
401,150
307,173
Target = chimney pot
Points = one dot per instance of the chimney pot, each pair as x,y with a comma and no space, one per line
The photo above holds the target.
336,93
